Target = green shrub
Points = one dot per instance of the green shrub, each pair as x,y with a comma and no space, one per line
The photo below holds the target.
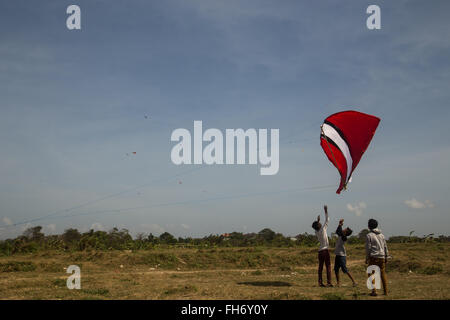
403,266
180,290
286,296
17,266
99,291
59,282
333,296
430,270
51,267
285,268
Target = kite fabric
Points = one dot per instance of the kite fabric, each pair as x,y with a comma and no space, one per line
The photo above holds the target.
344,138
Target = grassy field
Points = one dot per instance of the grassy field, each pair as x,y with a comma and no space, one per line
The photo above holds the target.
417,271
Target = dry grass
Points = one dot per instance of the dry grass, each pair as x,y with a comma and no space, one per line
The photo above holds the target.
418,271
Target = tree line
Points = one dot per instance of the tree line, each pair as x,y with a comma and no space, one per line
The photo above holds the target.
33,239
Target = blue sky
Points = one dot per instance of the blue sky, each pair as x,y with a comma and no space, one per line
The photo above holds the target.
73,104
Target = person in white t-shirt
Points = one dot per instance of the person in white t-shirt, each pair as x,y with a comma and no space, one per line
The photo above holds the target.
324,254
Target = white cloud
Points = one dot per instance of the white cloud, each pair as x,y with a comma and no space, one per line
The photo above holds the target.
357,209
7,221
50,227
98,226
26,226
416,204
429,204
154,228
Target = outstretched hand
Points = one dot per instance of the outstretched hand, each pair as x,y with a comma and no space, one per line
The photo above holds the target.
325,207
318,217
341,222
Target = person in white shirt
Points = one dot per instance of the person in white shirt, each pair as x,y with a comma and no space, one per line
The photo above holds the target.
324,254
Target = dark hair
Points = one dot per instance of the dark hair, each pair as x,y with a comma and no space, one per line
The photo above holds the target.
348,232
373,224
315,225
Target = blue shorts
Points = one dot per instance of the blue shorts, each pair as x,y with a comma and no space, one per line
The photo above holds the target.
340,262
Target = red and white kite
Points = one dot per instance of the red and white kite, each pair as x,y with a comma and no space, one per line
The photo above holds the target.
344,138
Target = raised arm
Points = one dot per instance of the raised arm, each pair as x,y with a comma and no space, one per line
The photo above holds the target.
325,208
339,228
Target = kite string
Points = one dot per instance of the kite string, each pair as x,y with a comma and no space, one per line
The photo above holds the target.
185,202
59,212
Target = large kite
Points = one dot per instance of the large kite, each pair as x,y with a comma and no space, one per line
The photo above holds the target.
344,138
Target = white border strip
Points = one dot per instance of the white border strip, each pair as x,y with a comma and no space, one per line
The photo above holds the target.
333,135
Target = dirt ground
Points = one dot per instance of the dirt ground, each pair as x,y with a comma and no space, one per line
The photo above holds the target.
417,271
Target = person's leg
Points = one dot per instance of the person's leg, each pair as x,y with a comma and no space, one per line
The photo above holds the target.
328,266
321,261
382,266
336,269
351,278
345,270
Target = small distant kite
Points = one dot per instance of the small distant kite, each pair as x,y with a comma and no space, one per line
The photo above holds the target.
344,138
180,182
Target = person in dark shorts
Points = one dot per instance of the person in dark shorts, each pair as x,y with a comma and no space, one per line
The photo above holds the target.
340,262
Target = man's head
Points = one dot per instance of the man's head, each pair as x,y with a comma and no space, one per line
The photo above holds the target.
373,224
348,232
316,225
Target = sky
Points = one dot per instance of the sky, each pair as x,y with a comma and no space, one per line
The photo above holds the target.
76,104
